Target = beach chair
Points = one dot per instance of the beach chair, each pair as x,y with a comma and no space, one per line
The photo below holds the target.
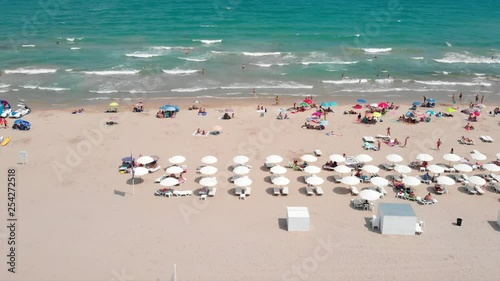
383,138
375,222
418,228
422,180
269,165
203,197
479,190
424,202
496,187
337,179
284,191
369,139
212,191
248,191
319,190
294,167
276,191
486,138
357,204
180,193
387,167
470,189
152,170
328,168
382,190
158,180
370,146
354,190
318,152
309,191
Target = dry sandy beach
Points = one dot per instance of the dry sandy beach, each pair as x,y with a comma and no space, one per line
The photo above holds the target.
78,218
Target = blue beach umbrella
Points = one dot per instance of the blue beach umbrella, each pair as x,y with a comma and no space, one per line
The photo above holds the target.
128,159
333,103
431,112
324,123
325,104
417,103
361,101
169,107
22,122
431,100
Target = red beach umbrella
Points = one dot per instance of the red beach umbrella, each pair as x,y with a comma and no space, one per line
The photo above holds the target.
477,113
357,106
383,105
308,101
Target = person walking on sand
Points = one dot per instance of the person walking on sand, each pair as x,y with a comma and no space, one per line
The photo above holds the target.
482,98
254,91
477,97
452,150
389,131
425,99
277,100
406,141
460,96
438,144
378,145
453,99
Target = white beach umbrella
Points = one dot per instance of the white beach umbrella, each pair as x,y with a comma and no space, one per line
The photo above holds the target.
140,171
209,160
370,194
394,158
403,169
312,169
445,180
145,160
315,180
208,181
274,159
411,181
243,182
476,180
374,104
241,170
309,158
478,156
169,182
451,157
208,170
435,169
241,159
424,157
343,169
379,181
350,180
174,170
464,168
364,158
491,167
278,170
177,159
281,181
337,157
371,169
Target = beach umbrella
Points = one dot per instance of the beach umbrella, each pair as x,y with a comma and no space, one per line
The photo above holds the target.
478,156
274,159
278,170
364,158
370,194
464,168
379,181
308,101
361,101
315,180
416,103
431,100
229,110
435,169
243,182
241,159
351,180
377,114
145,160
304,104
477,113
370,169
208,170
128,159
337,158
177,159
394,158
325,104
411,181
208,181
312,169
343,169
168,108
169,182
403,169
140,171
357,106
281,181
476,180
491,167
445,180
383,105
451,157
324,123
209,160
424,157
431,112
333,103
174,170
114,104
374,104
450,110
309,158
241,170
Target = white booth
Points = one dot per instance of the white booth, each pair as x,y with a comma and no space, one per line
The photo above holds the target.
398,219
298,219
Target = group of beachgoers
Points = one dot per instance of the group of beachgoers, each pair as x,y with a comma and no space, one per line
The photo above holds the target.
201,132
138,107
77,111
201,111
165,114
310,126
4,123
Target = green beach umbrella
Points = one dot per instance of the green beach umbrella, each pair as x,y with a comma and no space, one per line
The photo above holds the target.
333,103
450,109
377,114
304,104
113,104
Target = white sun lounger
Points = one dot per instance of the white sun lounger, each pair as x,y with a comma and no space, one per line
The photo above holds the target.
284,190
152,170
418,228
212,191
179,193
369,139
337,178
470,189
354,190
319,190
318,152
387,167
382,190
158,180
276,191
486,138
496,187
479,190
248,191
424,202
309,190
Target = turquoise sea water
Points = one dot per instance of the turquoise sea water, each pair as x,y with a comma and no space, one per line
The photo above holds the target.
87,50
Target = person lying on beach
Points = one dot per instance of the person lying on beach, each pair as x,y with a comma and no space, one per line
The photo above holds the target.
160,114
280,116
469,127
428,197
110,123
77,111
396,142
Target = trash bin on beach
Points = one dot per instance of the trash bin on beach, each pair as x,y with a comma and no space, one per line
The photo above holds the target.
459,222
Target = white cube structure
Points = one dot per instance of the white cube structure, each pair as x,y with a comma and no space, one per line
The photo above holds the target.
298,219
397,219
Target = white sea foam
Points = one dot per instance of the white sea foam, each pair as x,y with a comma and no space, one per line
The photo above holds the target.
286,85
357,34
449,83
31,87
80,38
4,86
112,72
30,71
208,25
261,54
75,48
4,90
180,71
28,46
56,89
328,62
69,70
346,81
98,98
189,90
70,39
394,90
192,59
208,42
171,48
104,91
467,58
417,58
448,44
480,74
142,55
384,81
269,64
376,50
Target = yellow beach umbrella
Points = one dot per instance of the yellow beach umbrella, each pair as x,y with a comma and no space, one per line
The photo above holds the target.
113,104
450,110
377,114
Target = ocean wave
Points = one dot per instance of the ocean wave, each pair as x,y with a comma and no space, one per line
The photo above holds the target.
208,25
269,64
180,71
394,90
261,54
328,62
28,46
4,90
75,48
449,83
104,91
70,39
376,50
384,81
4,86
208,42
275,86
417,58
112,72
480,74
56,89
467,58
448,44
31,87
192,59
189,90
30,71
142,55
346,81
171,48
144,92
98,98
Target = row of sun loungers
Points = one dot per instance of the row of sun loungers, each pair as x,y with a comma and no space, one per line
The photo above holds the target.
310,190
466,141
486,139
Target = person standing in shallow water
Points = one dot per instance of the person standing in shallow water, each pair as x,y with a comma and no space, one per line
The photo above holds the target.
277,100
460,96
